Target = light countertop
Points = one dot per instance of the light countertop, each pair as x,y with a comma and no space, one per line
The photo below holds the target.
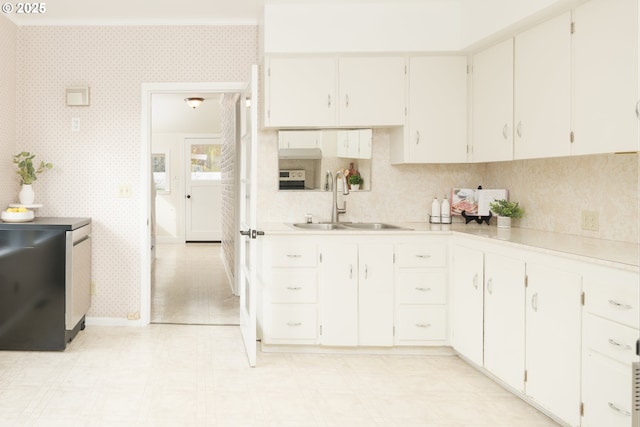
608,252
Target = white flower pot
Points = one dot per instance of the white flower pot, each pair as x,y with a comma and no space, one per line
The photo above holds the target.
504,222
355,187
26,194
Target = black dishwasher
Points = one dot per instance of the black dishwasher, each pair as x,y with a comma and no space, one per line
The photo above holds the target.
37,288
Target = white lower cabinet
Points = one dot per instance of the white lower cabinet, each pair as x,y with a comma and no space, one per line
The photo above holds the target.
356,293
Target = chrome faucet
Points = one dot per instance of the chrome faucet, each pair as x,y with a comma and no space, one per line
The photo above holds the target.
335,210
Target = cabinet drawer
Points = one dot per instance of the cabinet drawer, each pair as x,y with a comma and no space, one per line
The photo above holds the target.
293,321
615,296
611,339
422,324
294,285
431,254
606,392
293,253
422,286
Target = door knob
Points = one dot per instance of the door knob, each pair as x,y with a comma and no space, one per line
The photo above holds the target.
245,233
188,196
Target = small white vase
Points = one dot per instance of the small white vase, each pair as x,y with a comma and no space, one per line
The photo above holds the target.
26,194
355,187
504,222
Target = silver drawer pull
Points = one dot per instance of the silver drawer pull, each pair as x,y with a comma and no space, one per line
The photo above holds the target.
423,325
423,256
475,281
619,305
621,411
423,289
294,288
620,345
294,323
294,255
534,302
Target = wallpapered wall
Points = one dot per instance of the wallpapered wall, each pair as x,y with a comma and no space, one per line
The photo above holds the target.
8,179
90,164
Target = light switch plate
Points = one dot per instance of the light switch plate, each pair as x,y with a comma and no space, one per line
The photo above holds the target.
590,220
75,124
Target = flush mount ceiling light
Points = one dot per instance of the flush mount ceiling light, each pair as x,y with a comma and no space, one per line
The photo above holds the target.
194,102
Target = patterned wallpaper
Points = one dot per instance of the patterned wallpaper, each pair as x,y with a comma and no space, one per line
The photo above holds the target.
90,164
8,179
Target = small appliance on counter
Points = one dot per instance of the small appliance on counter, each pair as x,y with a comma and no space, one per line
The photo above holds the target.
44,308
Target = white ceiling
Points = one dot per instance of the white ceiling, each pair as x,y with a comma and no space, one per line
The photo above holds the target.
169,113
161,12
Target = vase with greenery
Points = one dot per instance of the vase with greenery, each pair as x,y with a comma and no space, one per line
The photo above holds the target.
28,174
505,211
355,181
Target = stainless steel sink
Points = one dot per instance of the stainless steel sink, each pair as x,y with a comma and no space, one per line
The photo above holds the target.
373,226
318,226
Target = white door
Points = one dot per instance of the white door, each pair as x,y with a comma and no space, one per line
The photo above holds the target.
246,280
203,191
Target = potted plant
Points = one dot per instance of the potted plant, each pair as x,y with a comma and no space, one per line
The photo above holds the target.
28,173
355,181
505,211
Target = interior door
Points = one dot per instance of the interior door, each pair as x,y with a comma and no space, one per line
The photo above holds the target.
203,219
246,277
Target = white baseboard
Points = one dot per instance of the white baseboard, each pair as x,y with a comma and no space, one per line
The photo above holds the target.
113,321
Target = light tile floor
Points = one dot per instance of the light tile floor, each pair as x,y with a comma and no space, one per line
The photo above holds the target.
189,285
196,375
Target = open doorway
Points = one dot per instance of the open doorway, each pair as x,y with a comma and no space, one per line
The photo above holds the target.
196,278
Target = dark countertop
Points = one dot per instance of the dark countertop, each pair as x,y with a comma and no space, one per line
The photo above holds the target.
58,223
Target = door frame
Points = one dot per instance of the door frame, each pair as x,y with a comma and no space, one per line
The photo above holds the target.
147,90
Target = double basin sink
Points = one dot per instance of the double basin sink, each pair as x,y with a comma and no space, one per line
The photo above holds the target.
346,226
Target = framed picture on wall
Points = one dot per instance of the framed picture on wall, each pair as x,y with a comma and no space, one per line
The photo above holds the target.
160,170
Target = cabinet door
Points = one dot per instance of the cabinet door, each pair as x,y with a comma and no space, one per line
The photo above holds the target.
504,319
299,139
543,90
605,48
348,141
437,110
467,304
493,103
339,294
372,91
300,92
375,295
553,331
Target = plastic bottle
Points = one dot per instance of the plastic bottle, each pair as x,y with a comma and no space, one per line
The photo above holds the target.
445,211
435,211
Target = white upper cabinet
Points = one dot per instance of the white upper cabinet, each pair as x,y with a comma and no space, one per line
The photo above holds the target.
354,143
372,91
437,121
542,81
605,47
300,92
493,103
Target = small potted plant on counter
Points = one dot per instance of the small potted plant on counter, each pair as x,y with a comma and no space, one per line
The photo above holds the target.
28,173
505,211
355,181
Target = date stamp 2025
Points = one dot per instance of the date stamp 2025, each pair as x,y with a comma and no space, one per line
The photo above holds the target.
24,8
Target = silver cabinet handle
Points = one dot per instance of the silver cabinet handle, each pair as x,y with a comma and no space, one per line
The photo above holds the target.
505,131
423,325
619,305
619,410
328,101
475,280
417,137
519,129
346,98
423,289
490,285
294,323
534,302
423,256
366,271
294,255
638,109
350,271
294,288
619,345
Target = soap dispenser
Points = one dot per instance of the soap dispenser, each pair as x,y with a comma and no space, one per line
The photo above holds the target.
445,211
435,211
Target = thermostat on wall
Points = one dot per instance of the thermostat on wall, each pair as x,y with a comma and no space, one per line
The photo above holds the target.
77,95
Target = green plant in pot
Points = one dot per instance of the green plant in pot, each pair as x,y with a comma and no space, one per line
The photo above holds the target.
355,181
505,211
28,174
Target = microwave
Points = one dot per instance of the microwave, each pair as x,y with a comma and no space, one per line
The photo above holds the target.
291,179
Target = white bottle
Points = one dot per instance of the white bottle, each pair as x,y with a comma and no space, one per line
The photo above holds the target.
445,211
435,211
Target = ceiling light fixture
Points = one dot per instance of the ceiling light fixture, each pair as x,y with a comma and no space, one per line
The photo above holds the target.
194,102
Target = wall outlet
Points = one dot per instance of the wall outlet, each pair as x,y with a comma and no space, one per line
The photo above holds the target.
135,315
590,220
124,190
